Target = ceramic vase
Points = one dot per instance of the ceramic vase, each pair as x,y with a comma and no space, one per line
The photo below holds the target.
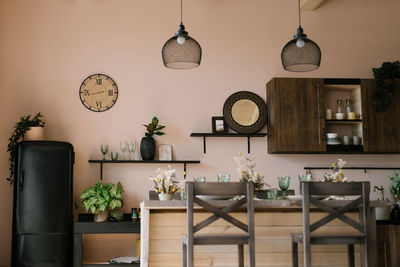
163,197
34,133
101,216
147,148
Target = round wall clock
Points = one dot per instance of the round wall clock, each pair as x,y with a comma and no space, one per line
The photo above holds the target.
98,92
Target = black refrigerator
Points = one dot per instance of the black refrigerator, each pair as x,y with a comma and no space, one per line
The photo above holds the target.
42,209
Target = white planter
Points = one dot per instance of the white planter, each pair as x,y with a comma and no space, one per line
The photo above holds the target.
163,197
382,213
35,133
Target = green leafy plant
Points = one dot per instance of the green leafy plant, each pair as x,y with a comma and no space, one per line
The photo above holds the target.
154,128
25,123
386,77
99,197
395,187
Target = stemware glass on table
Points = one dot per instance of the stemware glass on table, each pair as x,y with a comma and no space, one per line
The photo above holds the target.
284,182
124,145
132,150
104,150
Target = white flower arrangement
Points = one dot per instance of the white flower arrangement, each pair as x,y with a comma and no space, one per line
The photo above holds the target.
336,175
165,181
247,173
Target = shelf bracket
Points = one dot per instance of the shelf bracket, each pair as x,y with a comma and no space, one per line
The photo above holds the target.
184,171
101,171
204,144
248,144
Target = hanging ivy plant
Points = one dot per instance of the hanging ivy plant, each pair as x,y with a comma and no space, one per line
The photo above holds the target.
386,77
20,128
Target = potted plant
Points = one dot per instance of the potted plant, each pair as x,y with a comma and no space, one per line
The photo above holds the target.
21,132
165,183
147,145
395,190
101,199
387,78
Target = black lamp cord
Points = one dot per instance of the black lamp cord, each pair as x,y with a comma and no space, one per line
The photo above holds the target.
181,11
299,15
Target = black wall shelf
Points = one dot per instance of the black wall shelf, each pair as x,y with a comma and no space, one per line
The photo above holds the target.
184,162
354,168
205,135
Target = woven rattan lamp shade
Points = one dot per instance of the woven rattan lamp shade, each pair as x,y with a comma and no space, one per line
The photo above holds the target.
300,59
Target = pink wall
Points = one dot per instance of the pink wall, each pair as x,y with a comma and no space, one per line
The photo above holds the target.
48,47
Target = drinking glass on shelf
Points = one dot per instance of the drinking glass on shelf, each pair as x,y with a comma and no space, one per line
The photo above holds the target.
114,155
132,150
124,145
199,179
224,177
104,150
284,182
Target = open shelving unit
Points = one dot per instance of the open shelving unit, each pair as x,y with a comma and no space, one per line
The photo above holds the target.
184,162
81,228
205,135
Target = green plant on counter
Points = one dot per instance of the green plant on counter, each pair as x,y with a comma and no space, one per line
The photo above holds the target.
25,123
395,187
99,197
154,128
386,77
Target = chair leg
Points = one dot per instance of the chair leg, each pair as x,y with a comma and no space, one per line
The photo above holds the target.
184,255
252,254
295,254
241,255
190,256
350,255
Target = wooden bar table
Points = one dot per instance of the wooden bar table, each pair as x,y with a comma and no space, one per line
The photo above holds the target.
164,222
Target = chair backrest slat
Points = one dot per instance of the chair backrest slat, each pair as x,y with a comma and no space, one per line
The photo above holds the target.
337,189
219,189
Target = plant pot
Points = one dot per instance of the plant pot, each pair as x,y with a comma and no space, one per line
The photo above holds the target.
34,133
101,216
382,213
147,148
163,197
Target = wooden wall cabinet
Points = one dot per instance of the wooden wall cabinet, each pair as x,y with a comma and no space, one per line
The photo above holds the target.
297,121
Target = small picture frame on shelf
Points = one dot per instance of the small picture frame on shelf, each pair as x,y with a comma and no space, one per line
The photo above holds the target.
165,152
219,125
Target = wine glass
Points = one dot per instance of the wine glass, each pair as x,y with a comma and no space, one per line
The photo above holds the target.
104,150
132,149
124,145
284,182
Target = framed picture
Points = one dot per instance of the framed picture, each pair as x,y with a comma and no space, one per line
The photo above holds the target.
219,125
165,152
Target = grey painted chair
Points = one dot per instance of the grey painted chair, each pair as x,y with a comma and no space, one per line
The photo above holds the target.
193,190
312,189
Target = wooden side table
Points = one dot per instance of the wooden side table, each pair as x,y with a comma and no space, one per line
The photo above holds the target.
81,228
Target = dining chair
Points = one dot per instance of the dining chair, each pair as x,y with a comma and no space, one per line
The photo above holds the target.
195,193
312,192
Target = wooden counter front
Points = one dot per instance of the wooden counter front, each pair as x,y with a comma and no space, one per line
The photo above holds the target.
164,222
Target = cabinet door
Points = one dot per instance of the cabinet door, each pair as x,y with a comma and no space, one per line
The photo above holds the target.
295,121
381,129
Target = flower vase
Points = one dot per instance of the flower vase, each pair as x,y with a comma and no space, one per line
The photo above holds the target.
147,148
164,197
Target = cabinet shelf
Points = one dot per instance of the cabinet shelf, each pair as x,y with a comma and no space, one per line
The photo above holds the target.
343,121
345,149
204,135
184,162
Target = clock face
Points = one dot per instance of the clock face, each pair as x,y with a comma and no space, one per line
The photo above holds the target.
98,92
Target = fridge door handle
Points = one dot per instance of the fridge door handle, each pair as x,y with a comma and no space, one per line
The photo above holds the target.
21,181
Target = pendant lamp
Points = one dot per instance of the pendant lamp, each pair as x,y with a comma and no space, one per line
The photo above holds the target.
181,51
301,54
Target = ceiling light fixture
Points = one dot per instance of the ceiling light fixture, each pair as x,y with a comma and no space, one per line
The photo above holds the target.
301,54
181,51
